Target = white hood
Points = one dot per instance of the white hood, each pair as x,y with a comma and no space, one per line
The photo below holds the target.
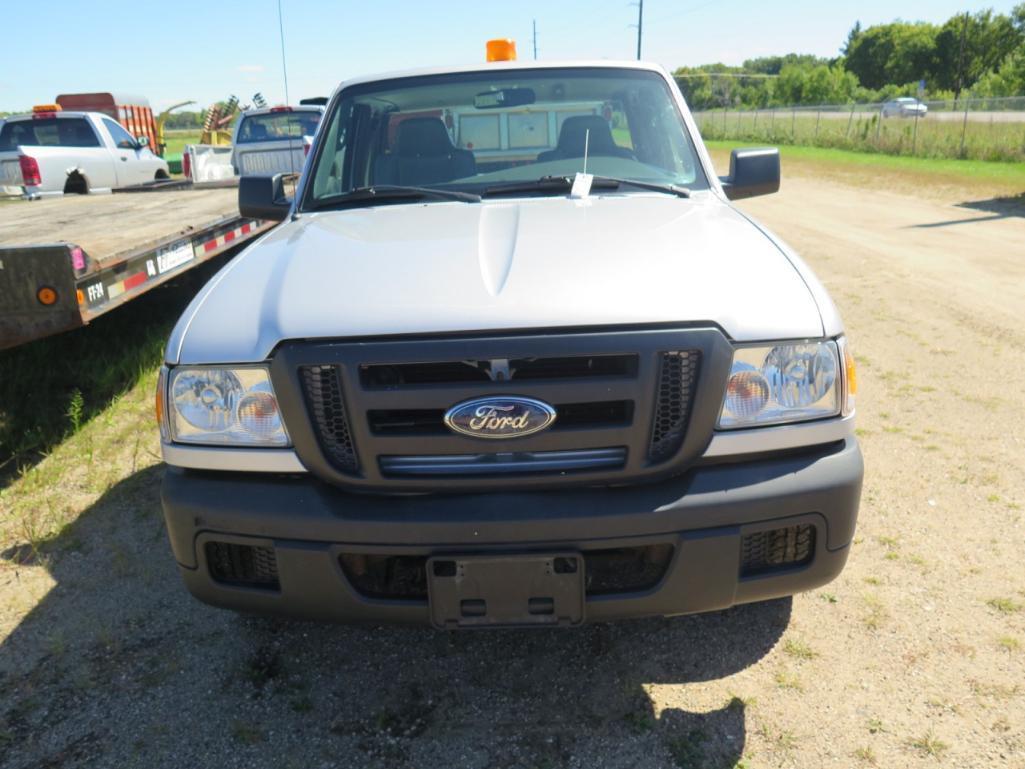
500,265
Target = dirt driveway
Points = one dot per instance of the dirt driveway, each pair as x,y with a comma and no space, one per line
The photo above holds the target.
914,657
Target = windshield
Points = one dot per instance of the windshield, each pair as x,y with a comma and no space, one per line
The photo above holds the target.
474,130
277,126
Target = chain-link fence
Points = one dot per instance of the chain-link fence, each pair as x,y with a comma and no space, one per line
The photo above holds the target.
980,129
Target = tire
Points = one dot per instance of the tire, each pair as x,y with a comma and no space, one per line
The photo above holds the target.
76,185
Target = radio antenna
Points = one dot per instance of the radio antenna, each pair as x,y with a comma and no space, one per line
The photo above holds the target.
582,182
284,69
284,74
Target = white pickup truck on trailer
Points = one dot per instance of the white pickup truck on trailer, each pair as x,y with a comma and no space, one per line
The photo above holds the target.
274,140
53,152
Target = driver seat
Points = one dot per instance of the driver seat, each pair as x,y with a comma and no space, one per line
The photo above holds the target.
423,154
573,133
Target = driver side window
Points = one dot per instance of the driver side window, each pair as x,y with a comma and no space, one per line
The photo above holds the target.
122,139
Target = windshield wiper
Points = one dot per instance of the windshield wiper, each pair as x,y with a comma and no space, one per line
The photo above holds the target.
565,183
390,192
670,189
544,184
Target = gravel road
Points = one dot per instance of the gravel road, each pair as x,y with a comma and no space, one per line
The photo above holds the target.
914,657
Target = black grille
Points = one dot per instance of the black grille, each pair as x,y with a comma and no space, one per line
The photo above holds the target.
404,577
244,565
625,569
397,577
387,375
369,402
677,373
767,551
324,399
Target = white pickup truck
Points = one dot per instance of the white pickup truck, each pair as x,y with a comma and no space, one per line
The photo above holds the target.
512,357
274,140
52,152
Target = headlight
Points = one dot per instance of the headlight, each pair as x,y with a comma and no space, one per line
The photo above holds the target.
782,383
224,406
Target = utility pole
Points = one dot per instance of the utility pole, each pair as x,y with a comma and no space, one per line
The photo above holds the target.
640,26
535,39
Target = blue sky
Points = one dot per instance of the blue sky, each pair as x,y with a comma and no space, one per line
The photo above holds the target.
206,50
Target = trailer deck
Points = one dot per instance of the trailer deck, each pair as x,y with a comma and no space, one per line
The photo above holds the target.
64,261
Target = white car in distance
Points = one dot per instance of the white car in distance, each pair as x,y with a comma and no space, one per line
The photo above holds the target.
905,106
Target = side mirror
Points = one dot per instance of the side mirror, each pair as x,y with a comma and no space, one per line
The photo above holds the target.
752,172
142,141
263,197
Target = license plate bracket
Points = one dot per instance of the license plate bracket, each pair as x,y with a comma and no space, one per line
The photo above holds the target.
506,590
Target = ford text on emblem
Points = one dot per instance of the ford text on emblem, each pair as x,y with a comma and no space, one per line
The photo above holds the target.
499,417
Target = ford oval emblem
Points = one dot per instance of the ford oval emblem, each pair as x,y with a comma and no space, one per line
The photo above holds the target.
499,417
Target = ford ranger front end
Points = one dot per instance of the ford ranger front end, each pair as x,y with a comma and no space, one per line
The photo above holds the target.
512,358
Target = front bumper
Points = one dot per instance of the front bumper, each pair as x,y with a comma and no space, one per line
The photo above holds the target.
703,515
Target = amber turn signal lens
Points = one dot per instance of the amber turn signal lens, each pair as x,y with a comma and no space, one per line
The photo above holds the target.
46,295
852,374
159,402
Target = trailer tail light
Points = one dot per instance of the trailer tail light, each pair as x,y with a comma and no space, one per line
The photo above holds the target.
187,164
29,171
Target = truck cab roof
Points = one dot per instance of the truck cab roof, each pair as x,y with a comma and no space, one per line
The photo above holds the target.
500,66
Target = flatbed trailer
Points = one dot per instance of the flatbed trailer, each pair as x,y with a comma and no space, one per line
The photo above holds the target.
65,261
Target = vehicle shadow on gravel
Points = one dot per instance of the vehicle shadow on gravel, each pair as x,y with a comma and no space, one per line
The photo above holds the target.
118,666
999,208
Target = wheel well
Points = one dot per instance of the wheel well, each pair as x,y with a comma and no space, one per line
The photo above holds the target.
76,184
161,174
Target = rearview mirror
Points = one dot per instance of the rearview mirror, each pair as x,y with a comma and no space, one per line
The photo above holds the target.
263,197
506,97
142,141
753,172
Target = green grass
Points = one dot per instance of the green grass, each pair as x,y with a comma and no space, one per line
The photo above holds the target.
866,755
176,140
1011,175
52,388
788,680
930,745
924,138
799,650
1004,605
1009,643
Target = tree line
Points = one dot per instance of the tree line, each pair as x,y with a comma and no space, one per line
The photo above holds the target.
970,55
